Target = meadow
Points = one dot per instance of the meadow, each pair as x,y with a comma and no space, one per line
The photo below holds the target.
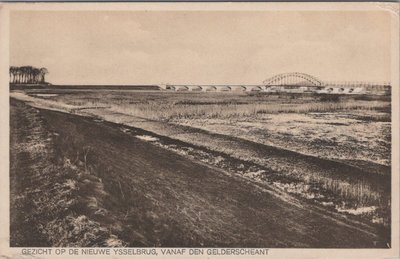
78,181
171,105
330,149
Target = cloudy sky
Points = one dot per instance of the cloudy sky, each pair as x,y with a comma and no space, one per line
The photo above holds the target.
200,47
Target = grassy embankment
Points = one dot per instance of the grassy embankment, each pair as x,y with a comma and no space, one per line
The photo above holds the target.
54,201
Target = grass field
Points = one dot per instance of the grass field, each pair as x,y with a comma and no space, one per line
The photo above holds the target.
329,150
356,128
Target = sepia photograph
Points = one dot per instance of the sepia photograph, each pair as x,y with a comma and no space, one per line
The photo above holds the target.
243,128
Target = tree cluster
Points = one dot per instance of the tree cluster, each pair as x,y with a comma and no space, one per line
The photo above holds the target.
27,75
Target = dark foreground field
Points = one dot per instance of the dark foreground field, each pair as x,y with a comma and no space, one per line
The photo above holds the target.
76,181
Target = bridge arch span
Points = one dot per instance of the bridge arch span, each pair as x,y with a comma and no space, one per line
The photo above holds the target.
295,78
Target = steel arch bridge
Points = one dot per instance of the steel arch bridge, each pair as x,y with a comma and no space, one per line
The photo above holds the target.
295,79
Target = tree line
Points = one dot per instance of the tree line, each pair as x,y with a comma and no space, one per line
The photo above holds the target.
27,75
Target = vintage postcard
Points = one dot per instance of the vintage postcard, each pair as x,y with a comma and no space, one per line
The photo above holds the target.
199,130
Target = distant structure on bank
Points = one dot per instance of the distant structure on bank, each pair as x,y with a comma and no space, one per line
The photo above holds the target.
28,75
293,83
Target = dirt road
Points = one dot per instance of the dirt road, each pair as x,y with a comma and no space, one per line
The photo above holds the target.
165,199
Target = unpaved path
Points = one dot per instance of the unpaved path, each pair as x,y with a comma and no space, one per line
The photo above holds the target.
331,180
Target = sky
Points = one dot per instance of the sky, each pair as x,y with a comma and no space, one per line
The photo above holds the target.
201,47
